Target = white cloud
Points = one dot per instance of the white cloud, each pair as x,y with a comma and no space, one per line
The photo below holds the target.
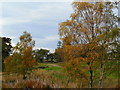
9,21
46,39
0,16
52,50
0,31
36,18
51,38
58,0
35,0
21,14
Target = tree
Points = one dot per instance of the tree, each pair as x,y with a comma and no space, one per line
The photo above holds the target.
86,38
41,54
108,53
59,54
22,59
59,45
51,57
6,48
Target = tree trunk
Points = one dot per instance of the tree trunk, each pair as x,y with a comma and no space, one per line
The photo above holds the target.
101,76
68,80
24,77
91,77
2,66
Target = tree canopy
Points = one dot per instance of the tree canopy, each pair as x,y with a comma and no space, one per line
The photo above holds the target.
22,59
6,48
88,37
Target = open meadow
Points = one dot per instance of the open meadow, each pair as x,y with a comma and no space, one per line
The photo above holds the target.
52,75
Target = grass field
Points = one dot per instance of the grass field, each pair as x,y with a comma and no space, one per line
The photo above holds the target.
53,75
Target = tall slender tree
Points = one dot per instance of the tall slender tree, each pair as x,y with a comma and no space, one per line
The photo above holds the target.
59,52
22,59
89,27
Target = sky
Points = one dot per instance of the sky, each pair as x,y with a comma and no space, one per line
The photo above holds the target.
40,19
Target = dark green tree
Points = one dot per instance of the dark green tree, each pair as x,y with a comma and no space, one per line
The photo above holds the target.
6,48
59,44
51,57
41,54
59,52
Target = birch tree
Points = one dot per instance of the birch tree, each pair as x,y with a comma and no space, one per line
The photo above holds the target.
88,30
22,59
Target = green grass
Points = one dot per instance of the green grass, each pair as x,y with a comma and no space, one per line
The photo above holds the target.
114,75
40,64
48,66
59,75
53,68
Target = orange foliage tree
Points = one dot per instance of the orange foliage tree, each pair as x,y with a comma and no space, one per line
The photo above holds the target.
85,38
22,58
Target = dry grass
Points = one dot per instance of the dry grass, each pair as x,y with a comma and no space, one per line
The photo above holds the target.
50,78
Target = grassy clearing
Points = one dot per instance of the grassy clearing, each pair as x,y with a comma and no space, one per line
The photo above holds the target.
53,74
53,68
57,71
48,66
